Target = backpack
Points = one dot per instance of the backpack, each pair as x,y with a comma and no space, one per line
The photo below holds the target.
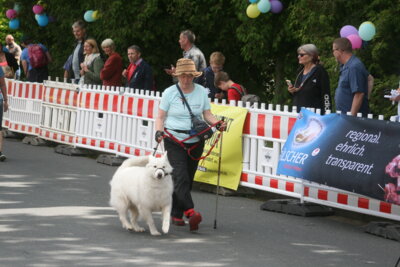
245,96
37,57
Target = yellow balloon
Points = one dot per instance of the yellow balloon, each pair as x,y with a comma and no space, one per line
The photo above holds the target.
252,11
96,14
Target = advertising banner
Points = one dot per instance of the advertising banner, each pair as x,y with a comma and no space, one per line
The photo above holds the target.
355,154
231,158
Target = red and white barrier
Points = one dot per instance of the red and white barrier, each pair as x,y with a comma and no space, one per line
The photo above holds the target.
10,88
25,107
121,121
59,107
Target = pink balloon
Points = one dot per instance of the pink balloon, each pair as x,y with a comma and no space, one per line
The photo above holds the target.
37,9
348,30
355,41
11,14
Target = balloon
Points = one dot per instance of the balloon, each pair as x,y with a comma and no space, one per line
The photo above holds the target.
355,41
42,20
11,14
253,1
17,7
14,24
367,31
37,17
88,16
276,6
264,6
252,11
96,15
37,9
348,30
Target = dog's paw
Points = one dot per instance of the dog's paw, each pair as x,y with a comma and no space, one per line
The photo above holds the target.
139,229
165,229
155,233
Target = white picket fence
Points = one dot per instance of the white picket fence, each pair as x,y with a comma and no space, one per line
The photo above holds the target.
121,121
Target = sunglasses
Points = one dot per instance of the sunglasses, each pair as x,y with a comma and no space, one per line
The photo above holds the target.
301,55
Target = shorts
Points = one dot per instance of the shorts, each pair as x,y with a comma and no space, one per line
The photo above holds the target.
1,114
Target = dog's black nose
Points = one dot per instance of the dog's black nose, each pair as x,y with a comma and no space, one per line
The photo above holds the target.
159,175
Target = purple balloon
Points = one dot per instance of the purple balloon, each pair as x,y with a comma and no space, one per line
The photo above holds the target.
355,41
348,30
276,6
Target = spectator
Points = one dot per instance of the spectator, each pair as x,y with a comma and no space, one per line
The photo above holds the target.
3,107
174,116
111,74
79,31
139,74
35,74
352,92
16,51
190,51
8,63
311,88
93,63
217,61
234,90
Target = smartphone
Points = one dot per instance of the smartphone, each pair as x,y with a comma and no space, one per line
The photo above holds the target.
289,83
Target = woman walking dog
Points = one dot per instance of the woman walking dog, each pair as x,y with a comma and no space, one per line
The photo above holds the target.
174,119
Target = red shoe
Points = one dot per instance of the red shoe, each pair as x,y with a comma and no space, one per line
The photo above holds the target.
177,221
194,219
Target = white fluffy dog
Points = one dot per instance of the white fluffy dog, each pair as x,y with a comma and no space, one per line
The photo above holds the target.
142,185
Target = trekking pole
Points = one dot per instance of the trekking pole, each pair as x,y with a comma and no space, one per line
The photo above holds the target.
218,177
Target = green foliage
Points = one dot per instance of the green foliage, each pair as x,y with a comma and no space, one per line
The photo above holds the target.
261,52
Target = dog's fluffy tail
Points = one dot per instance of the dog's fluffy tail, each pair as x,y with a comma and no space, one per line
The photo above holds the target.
140,161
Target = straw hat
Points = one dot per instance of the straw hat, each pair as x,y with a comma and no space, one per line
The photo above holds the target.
186,66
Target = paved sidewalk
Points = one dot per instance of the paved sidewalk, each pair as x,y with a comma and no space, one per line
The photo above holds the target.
54,212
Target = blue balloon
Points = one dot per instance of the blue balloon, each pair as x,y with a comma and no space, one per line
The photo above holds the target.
253,1
89,16
367,31
264,6
42,20
14,24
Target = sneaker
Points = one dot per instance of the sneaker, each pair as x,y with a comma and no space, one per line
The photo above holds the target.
177,221
2,157
194,219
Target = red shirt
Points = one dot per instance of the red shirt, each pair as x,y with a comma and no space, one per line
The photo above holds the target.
233,94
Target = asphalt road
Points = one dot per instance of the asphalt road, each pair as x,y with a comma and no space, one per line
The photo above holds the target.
54,212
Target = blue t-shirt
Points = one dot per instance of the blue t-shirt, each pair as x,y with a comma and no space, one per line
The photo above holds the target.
353,78
1,76
25,56
178,116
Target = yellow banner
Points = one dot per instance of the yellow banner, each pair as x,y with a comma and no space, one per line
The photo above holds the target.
231,156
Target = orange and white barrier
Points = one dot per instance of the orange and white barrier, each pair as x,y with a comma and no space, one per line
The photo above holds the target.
121,121
117,121
25,107
59,112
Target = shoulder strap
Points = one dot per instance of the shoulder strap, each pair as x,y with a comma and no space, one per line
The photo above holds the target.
184,100
242,93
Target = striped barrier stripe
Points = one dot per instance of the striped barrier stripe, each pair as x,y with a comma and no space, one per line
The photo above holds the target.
137,106
23,128
60,96
100,101
268,125
57,137
323,194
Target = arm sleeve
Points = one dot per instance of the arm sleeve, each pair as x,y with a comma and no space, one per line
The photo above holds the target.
108,69
148,78
164,104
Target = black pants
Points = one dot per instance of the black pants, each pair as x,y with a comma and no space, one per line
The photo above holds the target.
183,174
38,74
